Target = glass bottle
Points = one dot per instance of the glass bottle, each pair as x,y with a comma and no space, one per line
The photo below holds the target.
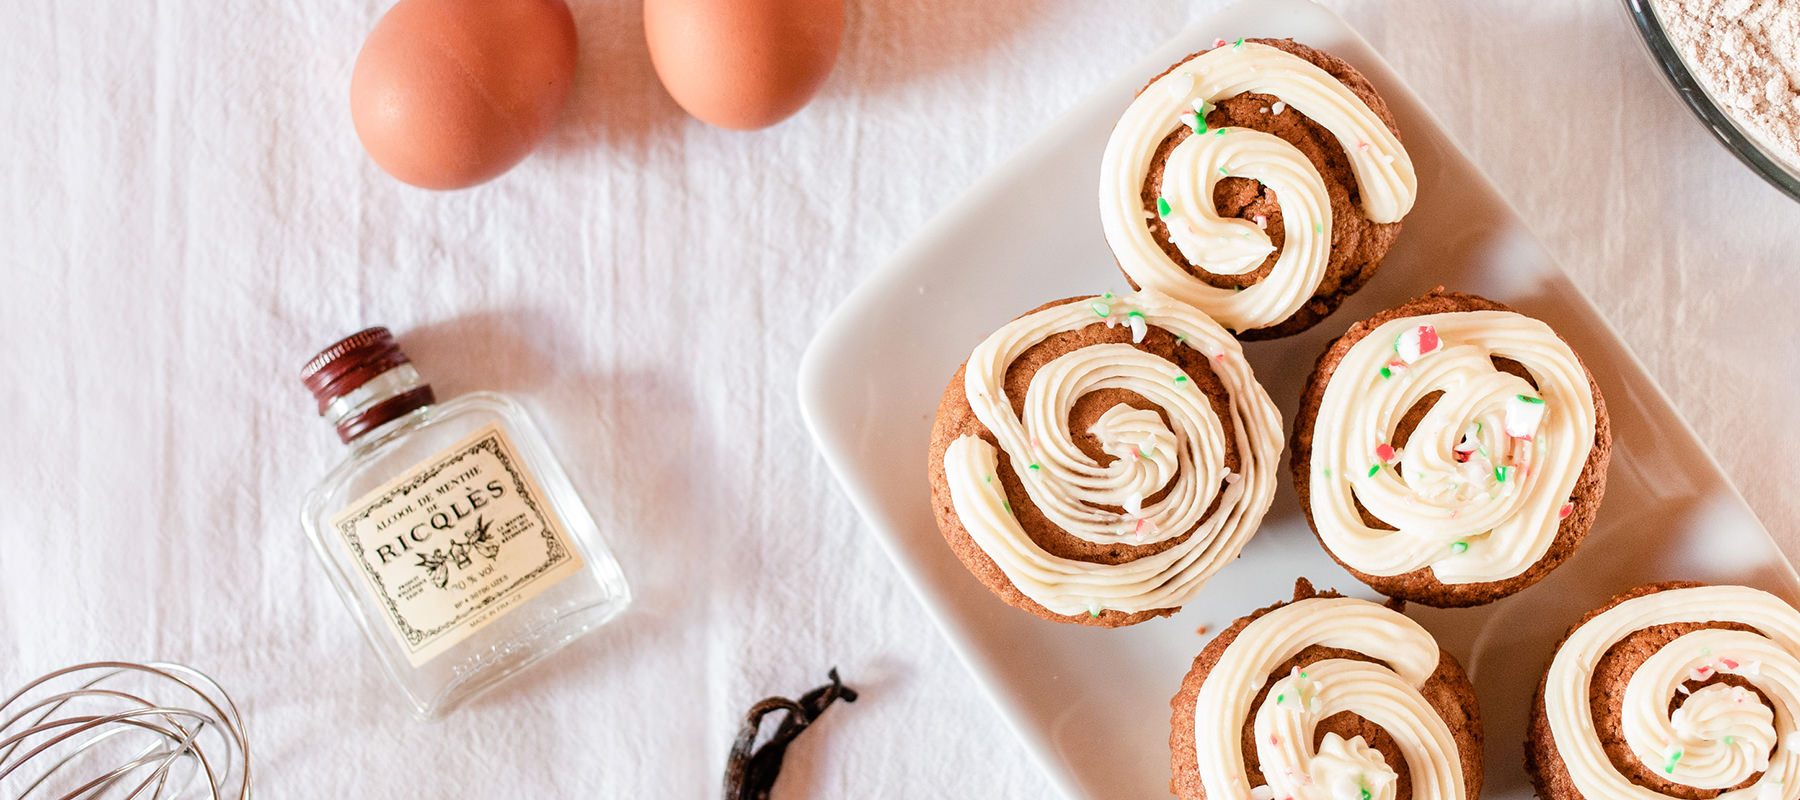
450,531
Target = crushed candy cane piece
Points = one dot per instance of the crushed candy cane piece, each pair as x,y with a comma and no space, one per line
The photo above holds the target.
1138,327
1416,343
1523,415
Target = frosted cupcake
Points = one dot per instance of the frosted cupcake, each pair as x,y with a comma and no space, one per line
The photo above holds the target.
1672,690
1261,181
1322,698
1450,451
1096,460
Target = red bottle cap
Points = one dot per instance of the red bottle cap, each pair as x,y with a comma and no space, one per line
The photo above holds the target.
353,361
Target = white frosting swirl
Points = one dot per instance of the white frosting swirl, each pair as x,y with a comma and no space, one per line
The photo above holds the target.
1388,696
1483,482
1184,455
1383,170
1721,735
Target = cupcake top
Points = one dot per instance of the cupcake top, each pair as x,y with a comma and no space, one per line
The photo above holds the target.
1170,235
1105,455
1454,436
1326,697
1673,690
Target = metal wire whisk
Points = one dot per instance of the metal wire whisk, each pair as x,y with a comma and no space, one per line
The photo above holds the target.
117,729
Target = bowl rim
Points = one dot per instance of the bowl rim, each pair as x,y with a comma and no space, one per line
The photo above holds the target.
1694,96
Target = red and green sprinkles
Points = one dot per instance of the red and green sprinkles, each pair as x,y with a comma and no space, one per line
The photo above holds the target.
1500,473
1101,308
1458,548
1669,768
1374,468
1162,207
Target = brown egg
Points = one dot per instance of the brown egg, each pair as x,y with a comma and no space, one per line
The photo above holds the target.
450,93
743,64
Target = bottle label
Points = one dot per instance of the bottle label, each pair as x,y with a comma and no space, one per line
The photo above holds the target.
455,542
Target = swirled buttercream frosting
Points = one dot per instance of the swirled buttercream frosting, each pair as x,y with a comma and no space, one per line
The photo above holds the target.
1101,457
1173,147
1673,691
1458,442
1297,700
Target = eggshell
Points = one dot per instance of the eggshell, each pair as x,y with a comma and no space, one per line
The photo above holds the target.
743,64
451,93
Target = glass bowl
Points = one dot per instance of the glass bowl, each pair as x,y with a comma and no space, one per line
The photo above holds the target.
1727,130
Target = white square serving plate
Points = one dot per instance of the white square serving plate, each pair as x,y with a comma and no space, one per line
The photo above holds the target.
1092,704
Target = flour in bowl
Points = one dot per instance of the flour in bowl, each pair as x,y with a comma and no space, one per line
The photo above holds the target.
1746,53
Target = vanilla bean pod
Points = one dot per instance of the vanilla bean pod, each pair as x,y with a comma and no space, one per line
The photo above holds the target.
750,774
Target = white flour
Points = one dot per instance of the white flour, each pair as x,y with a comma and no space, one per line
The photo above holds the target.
1746,53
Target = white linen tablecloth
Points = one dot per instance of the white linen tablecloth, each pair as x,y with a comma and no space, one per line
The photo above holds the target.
188,217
